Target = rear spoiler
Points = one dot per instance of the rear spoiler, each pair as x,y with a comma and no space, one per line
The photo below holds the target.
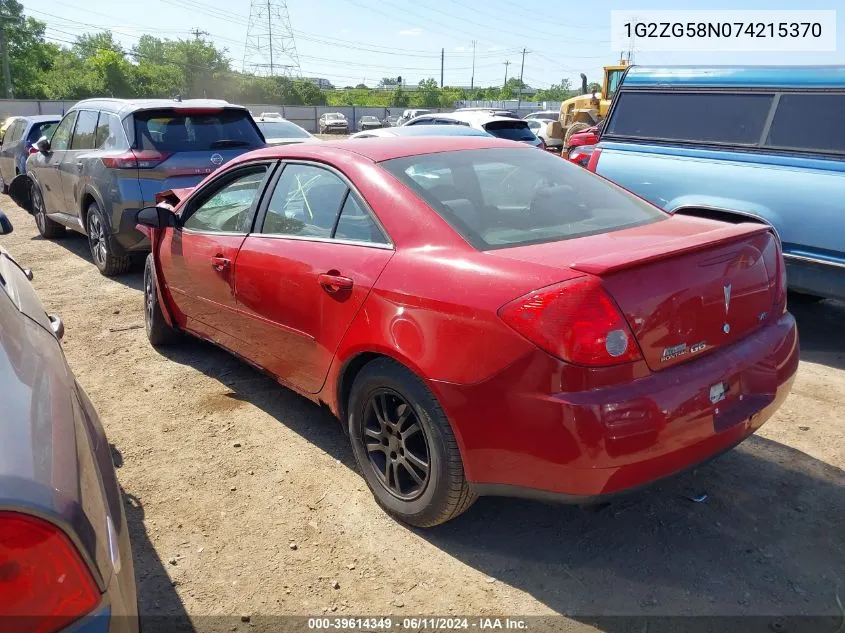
613,262
172,197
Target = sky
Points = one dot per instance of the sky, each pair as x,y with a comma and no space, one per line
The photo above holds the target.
361,41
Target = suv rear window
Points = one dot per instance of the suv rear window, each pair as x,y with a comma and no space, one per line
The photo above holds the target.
809,122
174,131
693,117
510,130
41,129
496,198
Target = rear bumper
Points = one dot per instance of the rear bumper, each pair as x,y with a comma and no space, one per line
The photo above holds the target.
519,439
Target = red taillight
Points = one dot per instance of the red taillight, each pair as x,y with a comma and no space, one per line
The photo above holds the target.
32,150
44,584
576,321
136,159
594,159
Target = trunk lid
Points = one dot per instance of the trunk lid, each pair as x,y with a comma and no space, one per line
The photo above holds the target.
182,170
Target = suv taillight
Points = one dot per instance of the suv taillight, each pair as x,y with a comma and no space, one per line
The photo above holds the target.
44,584
594,159
576,321
136,159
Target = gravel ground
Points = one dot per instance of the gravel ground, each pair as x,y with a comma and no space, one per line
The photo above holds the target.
243,498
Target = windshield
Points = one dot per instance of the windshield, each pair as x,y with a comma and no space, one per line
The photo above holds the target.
510,130
334,117
497,198
369,119
614,77
173,131
281,129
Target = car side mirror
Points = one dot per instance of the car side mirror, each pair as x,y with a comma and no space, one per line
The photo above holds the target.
5,224
43,145
156,217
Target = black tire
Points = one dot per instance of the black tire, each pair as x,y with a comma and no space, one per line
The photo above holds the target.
4,188
99,240
398,393
575,128
158,332
47,228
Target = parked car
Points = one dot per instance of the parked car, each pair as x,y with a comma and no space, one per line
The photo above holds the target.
407,115
540,129
108,158
491,111
368,123
64,543
278,131
391,120
590,136
18,142
740,144
7,123
333,122
551,115
501,127
484,318
581,155
421,130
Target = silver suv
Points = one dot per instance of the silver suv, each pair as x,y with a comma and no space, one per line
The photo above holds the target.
108,158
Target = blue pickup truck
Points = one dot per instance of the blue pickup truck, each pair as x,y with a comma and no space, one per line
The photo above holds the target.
761,144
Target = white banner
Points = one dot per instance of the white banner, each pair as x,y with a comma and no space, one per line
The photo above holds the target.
723,30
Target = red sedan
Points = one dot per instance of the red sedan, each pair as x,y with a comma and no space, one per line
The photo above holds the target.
484,318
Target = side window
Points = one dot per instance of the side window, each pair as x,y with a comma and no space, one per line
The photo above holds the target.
356,223
791,128
61,137
306,202
229,208
86,126
16,131
109,133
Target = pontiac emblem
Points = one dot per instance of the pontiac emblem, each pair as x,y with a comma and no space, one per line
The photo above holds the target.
217,159
727,298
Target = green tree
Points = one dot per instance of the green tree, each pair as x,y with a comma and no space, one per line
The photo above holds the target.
90,44
594,87
399,98
30,55
429,93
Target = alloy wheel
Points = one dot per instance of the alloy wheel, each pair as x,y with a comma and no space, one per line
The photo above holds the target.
396,444
40,213
97,238
149,298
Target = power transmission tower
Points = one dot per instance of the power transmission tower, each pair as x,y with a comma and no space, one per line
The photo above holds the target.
270,46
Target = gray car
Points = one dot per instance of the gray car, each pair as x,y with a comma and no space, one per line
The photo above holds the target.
65,557
17,144
108,158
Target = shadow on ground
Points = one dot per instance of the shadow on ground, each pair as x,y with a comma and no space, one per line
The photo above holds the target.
820,331
77,244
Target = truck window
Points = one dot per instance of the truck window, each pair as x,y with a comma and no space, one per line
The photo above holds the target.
613,79
694,117
809,122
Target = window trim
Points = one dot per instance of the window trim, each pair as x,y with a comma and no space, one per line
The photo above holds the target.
219,182
71,113
759,146
70,147
258,220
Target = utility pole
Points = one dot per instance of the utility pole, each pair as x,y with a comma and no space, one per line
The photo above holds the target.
472,78
197,33
521,69
442,59
4,52
270,33
507,63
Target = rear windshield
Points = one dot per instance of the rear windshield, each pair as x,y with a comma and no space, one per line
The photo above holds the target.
692,117
510,130
281,129
174,131
497,198
41,129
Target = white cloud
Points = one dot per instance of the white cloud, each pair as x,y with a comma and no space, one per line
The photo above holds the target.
460,49
414,32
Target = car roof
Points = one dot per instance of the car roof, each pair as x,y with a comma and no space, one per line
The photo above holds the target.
426,130
123,107
478,117
380,149
735,77
43,118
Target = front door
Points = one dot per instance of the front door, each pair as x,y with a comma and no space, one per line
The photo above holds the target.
72,165
47,166
199,258
303,275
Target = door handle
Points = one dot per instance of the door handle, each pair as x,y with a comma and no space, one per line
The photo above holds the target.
219,263
334,283
79,166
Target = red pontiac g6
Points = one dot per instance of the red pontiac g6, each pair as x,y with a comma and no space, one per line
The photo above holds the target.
484,318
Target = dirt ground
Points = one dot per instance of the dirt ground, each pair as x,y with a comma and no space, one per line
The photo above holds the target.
243,498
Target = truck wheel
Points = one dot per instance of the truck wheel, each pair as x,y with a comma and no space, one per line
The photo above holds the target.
575,128
46,227
104,258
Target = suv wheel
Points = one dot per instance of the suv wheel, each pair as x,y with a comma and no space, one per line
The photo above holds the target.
158,332
104,258
405,447
46,227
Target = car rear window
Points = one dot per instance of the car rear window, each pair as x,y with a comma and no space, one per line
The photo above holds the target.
281,129
510,130
174,131
809,122
498,198
691,117
41,129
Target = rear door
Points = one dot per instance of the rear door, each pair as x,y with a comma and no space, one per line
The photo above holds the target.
305,272
198,258
7,150
178,147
